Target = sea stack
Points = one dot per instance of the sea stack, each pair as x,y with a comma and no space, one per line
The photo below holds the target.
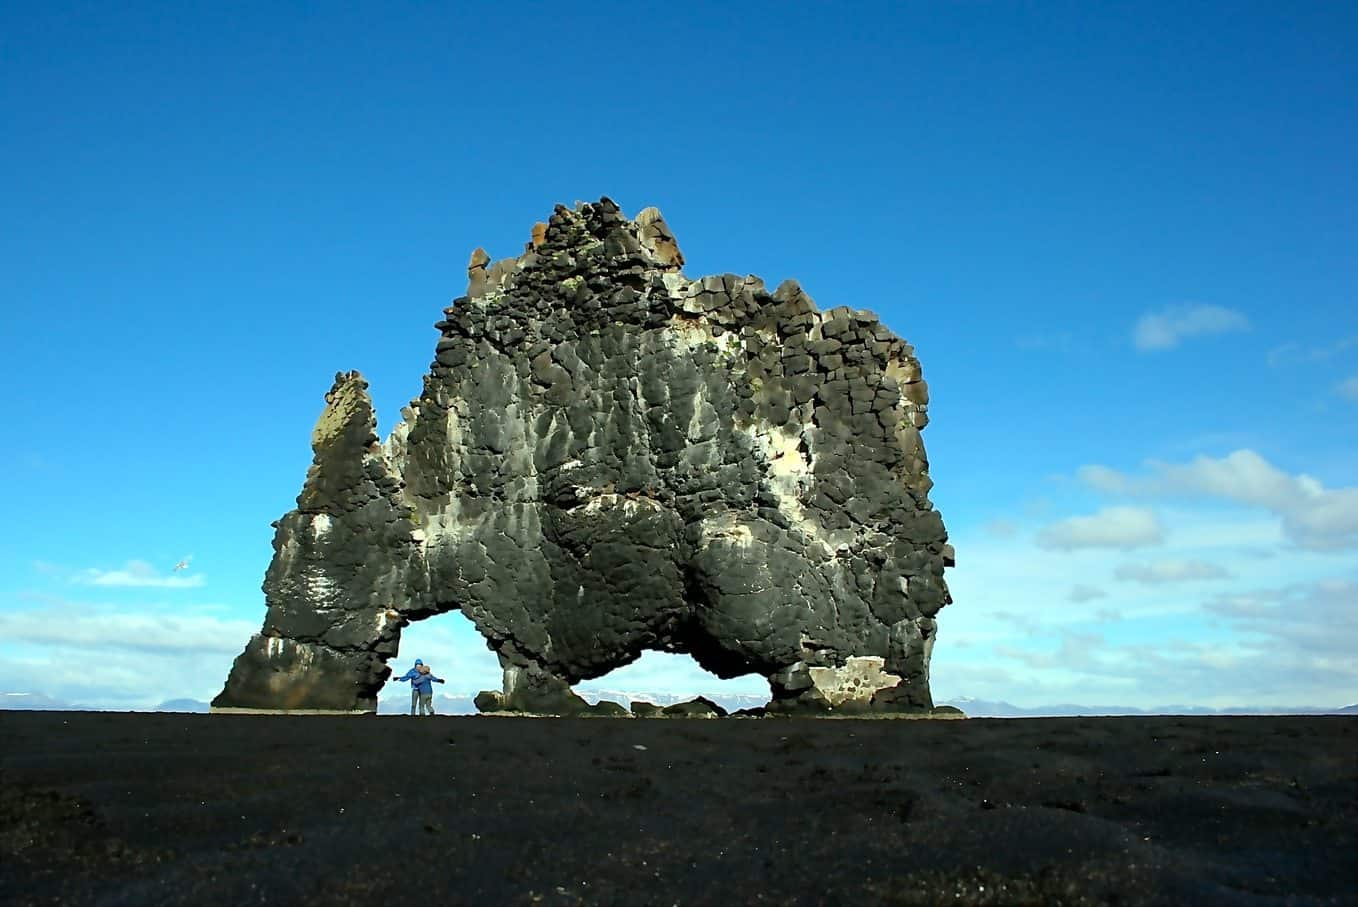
609,457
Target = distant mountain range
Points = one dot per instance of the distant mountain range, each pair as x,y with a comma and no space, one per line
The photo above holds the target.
463,705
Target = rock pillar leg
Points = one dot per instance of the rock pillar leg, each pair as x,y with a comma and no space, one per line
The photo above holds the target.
274,674
528,688
337,586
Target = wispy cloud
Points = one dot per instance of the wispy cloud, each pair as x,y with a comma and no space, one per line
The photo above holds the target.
1163,572
1296,353
121,660
1277,647
1348,388
1169,327
1081,593
1112,527
1319,618
139,575
185,633
1001,529
1312,515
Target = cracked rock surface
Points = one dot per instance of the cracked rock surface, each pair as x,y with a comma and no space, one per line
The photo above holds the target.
609,457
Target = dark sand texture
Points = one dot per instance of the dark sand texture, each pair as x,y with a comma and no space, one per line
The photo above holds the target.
210,809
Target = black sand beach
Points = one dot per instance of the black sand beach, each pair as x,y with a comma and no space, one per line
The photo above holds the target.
207,809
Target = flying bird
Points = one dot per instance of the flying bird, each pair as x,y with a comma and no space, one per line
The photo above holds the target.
182,565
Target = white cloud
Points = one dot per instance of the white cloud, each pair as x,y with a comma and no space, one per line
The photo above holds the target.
1165,329
140,575
1161,572
1348,388
183,633
1319,619
1275,648
1080,593
1148,644
1001,529
1112,527
1312,515
1295,352
108,659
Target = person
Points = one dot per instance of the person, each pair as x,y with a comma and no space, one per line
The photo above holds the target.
423,686
414,693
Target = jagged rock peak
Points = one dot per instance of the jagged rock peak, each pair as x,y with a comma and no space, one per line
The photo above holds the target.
592,231
609,457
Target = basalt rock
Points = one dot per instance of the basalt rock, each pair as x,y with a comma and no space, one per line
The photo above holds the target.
701,707
609,457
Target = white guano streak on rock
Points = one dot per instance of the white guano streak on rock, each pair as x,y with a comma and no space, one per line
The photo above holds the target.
384,617
601,502
789,473
319,587
306,653
723,527
677,284
689,333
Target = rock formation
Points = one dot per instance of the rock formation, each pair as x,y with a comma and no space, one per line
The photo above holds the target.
608,457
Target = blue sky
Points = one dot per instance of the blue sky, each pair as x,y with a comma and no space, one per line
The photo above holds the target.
1121,238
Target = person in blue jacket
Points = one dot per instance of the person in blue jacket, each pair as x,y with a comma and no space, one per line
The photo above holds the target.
414,691
423,685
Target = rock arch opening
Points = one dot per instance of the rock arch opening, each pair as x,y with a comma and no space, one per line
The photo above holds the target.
664,679
451,646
